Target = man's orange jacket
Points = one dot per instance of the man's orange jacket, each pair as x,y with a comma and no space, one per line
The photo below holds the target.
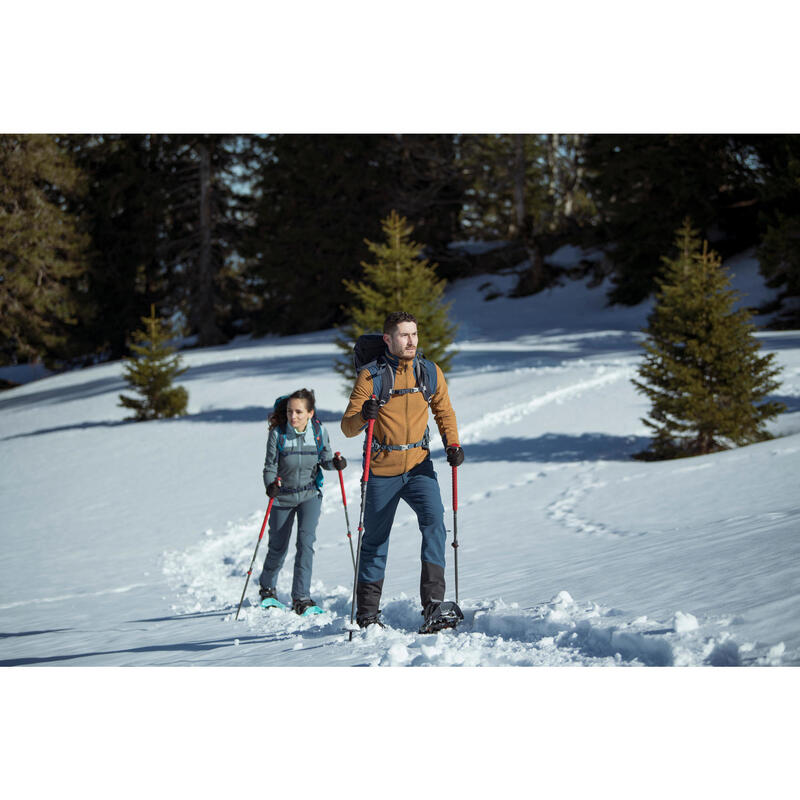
402,420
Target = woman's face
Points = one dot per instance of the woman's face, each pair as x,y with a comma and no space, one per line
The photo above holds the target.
297,414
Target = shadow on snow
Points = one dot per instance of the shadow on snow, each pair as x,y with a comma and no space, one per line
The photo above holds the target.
217,415
558,447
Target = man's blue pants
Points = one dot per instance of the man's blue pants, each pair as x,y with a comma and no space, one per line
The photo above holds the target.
420,489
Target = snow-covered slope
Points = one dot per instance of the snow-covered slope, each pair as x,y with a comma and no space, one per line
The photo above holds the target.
128,544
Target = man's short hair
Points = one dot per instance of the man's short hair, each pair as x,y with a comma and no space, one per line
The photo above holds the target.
395,318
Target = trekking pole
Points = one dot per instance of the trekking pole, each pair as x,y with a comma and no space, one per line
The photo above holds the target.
455,526
260,536
346,517
364,480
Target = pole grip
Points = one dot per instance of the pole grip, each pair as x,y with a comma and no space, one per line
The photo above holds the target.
370,426
341,481
269,508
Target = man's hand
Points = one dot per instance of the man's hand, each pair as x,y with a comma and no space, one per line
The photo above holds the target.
274,488
455,455
370,409
339,461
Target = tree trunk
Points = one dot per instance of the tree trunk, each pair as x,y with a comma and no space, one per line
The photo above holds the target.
203,312
577,174
519,184
533,279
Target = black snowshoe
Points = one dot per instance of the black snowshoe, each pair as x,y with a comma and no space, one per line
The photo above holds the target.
369,619
440,615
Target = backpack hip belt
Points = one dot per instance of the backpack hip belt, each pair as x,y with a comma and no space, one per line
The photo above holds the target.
299,489
424,442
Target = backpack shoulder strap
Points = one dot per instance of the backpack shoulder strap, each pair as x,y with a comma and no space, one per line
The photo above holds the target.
427,378
316,427
281,438
382,379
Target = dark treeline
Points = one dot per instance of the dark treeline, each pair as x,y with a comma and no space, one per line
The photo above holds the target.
256,233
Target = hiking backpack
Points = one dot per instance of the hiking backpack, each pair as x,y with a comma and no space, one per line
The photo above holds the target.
368,354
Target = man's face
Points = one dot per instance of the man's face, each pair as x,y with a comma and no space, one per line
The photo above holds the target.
403,342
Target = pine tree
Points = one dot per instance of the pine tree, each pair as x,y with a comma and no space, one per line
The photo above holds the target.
702,371
426,184
399,280
42,249
164,215
645,184
779,250
526,188
316,198
152,373
124,209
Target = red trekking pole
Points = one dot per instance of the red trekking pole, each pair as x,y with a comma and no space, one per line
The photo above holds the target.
260,536
455,526
364,480
346,517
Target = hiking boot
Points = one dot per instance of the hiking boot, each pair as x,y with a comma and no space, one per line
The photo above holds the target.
269,592
366,620
430,609
299,606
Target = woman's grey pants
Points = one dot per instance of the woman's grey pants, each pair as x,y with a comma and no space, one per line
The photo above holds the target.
281,520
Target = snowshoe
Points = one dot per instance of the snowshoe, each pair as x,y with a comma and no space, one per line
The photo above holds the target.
271,602
305,607
269,599
369,619
440,615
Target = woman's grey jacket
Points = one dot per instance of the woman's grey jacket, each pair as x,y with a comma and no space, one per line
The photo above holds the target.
297,464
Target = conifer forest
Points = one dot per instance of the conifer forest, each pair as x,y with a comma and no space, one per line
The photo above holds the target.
229,234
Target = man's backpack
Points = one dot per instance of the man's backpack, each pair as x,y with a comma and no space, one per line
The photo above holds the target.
368,353
316,428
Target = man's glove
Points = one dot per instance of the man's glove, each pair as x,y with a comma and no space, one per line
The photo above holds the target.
274,488
339,461
455,455
370,409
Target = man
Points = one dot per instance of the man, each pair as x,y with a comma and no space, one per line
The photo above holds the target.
401,466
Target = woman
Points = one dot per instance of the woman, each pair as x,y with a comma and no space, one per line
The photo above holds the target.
297,447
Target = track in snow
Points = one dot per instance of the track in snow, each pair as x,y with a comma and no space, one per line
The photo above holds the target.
559,632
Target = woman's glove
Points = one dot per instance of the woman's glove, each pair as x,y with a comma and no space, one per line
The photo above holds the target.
339,461
274,488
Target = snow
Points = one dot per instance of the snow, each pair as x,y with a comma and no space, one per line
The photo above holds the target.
571,552
127,544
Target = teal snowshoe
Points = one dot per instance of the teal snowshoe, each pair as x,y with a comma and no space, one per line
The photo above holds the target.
305,607
269,599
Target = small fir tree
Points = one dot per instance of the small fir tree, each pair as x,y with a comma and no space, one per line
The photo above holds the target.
151,373
399,280
702,371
